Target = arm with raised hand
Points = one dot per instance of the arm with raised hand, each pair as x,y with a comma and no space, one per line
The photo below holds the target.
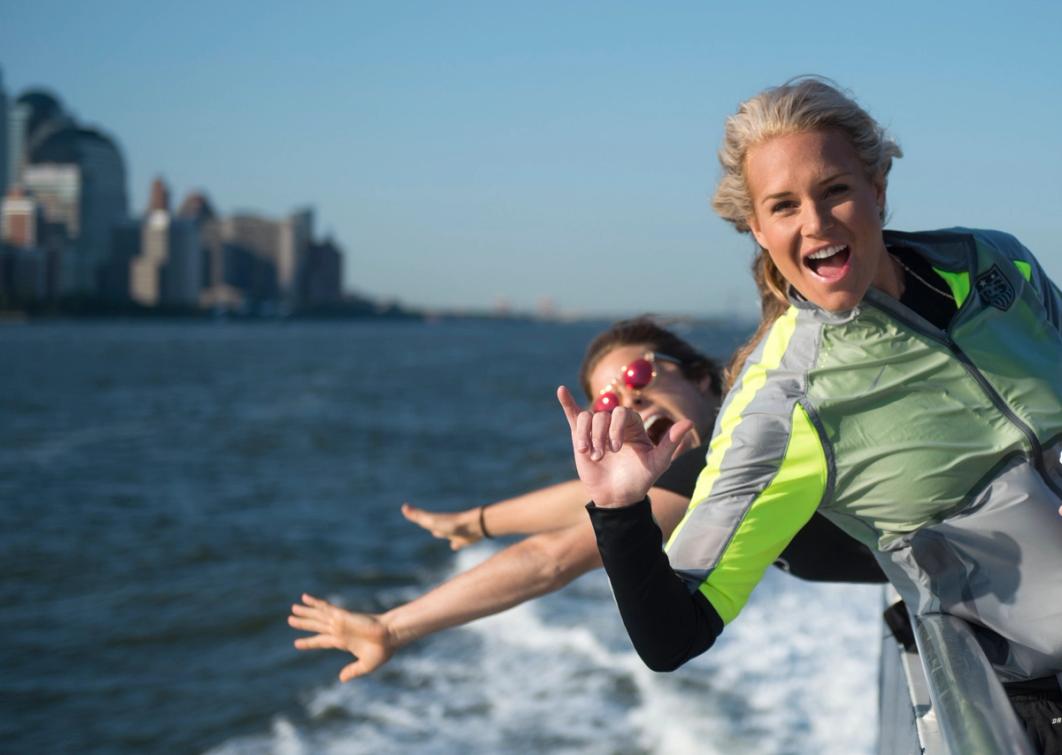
667,623
550,508
533,567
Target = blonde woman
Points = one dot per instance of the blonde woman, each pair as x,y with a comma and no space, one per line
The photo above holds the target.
908,386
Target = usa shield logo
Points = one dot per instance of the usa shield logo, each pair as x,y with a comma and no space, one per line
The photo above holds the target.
995,289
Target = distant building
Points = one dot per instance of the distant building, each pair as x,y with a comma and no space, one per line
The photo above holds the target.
5,180
23,259
168,269
251,246
77,173
197,208
57,188
23,274
322,275
295,237
32,110
114,278
18,115
20,219
278,263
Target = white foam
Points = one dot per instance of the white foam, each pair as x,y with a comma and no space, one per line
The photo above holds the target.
795,673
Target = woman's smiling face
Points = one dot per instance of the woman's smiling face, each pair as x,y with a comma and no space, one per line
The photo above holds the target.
818,216
671,396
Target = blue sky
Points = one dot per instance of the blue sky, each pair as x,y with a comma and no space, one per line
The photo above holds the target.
469,153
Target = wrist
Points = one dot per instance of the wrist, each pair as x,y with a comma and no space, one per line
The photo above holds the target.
396,632
483,531
621,501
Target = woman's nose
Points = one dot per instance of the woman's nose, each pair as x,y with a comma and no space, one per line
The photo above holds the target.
817,218
637,402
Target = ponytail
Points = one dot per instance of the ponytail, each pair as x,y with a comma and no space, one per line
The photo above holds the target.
773,304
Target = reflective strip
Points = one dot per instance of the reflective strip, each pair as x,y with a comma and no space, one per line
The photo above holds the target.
1025,269
753,379
779,512
959,283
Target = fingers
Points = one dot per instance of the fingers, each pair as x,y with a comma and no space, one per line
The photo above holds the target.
600,424
617,428
457,543
412,513
423,519
667,445
597,433
318,642
353,671
581,432
313,624
568,404
315,616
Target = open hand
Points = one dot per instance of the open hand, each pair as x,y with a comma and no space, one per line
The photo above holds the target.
613,454
461,529
360,634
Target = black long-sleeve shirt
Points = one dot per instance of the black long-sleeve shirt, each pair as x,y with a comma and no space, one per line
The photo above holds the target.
667,623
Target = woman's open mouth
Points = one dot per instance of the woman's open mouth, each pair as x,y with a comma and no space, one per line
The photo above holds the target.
830,263
656,427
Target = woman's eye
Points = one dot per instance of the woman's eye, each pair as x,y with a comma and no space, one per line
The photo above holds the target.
783,206
836,189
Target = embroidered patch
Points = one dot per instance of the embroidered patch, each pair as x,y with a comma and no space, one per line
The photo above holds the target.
995,289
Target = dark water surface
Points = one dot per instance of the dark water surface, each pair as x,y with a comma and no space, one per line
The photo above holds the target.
167,490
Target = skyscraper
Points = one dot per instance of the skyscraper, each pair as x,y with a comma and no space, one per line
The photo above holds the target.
78,175
320,283
57,189
4,176
251,246
23,262
15,127
20,219
168,269
295,237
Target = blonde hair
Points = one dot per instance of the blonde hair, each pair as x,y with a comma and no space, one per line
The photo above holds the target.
773,304
806,103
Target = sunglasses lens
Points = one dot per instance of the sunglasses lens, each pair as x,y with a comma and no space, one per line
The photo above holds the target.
638,374
606,402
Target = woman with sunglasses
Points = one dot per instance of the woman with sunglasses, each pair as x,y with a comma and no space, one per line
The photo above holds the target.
906,385
620,363
663,380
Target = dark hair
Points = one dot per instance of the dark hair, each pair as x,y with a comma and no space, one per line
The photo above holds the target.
645,330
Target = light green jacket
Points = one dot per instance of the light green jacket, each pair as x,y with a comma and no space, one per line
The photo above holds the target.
939,449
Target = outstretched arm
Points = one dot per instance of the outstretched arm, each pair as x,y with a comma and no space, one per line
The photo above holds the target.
542,510
533,567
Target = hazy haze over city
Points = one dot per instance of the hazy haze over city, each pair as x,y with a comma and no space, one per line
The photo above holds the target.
475,153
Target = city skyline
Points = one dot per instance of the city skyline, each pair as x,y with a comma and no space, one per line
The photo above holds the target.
472,154
68,241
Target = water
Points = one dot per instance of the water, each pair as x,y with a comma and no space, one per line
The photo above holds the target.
167,490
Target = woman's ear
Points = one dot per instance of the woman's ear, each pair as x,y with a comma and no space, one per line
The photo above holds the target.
754,226
879,193
707,388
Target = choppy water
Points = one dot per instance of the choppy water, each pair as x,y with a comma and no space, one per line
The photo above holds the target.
167,490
